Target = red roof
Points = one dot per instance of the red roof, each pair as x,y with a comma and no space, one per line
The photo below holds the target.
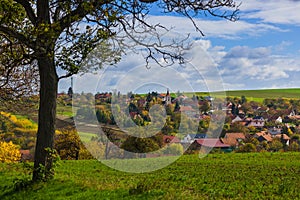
170,139
285,137
232,138
186,108
211,142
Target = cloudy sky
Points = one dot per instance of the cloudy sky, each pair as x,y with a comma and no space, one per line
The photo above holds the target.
260,50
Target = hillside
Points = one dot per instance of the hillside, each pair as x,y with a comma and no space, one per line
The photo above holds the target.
258,95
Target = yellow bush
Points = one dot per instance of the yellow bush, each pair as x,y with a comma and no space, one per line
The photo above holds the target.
11,117
9,152
25,123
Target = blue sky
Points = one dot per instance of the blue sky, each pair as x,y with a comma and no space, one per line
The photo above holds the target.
260,50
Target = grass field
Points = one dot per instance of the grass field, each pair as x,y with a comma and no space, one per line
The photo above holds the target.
259,95
86,137
217,176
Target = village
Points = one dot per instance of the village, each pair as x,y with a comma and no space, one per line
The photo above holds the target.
272,125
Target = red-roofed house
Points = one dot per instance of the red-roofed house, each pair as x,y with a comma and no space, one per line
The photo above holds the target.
210,143
233,139
168,139
189,111
263,136
284,137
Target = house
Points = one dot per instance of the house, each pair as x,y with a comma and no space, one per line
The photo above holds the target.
208,98
257,122
181,98
284,138
227,108
209,143
189,111
189,138
274,131
168,139
233,139
292,113
278,120
237,119
166,98
263,136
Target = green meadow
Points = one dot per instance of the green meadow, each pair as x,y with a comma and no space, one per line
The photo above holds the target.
216,176
257,95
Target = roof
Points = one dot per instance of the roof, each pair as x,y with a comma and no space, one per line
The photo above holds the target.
258,118
186,108
211,142
170,139
198,135
236,119
285,137
265,135
274,131
232,138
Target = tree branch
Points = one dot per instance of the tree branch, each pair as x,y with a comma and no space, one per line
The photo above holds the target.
29,11
73,16
65,76
18,36
81,11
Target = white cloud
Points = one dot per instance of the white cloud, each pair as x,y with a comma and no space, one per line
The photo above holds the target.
213,28
270,11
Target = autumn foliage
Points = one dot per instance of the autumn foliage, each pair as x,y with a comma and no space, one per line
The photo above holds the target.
9,152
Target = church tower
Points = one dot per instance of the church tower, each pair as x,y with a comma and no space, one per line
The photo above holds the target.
168,98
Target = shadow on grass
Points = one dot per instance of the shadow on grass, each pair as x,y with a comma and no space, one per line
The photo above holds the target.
67,189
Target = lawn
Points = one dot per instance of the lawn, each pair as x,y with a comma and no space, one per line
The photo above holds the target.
217,176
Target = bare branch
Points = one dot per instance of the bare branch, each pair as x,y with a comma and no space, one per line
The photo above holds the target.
65,76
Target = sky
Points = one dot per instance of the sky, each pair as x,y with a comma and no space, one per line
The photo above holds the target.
260,50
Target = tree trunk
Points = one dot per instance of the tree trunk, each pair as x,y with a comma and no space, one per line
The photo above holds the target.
47,117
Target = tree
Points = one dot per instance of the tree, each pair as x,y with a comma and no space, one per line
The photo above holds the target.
243,99
248,147
48,34
276,144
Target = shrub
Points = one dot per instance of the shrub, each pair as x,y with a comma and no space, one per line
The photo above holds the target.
69,146
174,149
294,147
25,123
276,145
248,147
9,152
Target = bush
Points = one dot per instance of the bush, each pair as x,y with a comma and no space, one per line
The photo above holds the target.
294,147
276,145
69,146
248,147
174,149
9,152
25,123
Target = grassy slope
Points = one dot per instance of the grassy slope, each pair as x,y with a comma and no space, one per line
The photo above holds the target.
217,176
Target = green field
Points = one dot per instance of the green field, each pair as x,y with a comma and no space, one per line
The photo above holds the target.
86,137
217,176
258,95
